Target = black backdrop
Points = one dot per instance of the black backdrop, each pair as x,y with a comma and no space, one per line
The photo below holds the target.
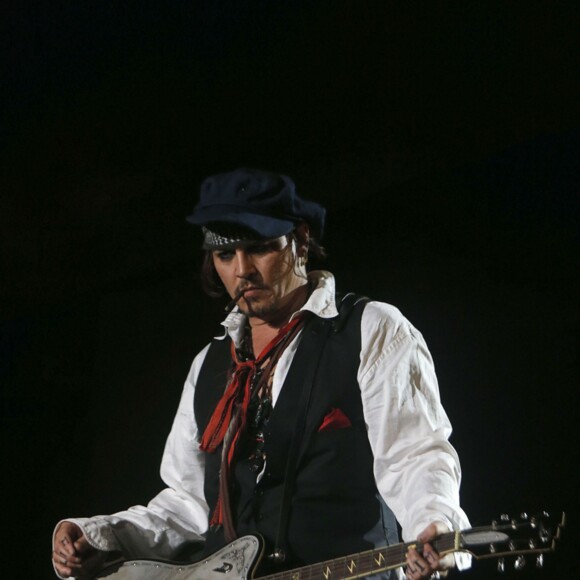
441,136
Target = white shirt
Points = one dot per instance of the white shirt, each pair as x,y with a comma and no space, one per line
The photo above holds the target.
416,469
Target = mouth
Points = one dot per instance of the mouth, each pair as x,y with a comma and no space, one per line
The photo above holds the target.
247,293
251,291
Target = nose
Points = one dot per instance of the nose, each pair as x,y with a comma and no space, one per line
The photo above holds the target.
244,266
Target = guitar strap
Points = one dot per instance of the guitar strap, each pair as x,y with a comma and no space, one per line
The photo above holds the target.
318,330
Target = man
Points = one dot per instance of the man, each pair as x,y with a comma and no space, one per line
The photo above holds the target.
311,421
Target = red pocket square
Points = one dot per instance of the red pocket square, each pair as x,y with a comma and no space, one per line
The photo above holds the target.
335,419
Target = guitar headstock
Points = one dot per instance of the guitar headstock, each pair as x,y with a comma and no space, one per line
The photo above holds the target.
517,537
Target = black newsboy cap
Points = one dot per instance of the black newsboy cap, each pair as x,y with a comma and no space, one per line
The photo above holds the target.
262,201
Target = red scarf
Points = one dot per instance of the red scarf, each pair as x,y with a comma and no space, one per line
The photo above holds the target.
232,410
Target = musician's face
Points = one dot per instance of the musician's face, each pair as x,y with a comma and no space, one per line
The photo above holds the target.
266,270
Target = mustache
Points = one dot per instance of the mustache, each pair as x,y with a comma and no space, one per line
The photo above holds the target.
240,291
244,287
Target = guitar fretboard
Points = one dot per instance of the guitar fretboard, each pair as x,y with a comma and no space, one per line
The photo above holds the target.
363,563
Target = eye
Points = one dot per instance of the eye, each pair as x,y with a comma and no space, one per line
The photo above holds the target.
260,248
224,255
266,247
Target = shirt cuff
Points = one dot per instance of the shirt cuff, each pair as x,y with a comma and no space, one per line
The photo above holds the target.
97,531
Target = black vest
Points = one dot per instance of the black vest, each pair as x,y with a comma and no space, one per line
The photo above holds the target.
336,509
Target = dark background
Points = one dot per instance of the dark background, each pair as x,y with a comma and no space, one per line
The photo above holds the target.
442,137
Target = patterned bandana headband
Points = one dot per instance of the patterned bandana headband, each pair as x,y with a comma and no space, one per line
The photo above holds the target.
228,236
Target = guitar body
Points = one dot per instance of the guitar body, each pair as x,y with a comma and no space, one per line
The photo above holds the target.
236,561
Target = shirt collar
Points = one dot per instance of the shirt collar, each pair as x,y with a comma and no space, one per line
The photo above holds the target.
321,302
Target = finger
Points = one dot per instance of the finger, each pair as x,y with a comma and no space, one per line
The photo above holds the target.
431,556
65,544
417,565
448,561
66,569
62,570
66,535
66,560
435,560
82,546
430,532
414,572
421,569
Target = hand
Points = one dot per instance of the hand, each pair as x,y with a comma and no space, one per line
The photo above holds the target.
423,566
72,555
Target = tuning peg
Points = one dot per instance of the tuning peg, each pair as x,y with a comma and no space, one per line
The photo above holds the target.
524,516
540,561
519,563
501,565
504,518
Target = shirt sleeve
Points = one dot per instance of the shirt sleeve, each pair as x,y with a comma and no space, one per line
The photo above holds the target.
416,469
178,514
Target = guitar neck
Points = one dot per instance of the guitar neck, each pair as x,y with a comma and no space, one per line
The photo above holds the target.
364,563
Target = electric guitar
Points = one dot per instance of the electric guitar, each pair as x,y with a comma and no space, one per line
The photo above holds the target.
239,560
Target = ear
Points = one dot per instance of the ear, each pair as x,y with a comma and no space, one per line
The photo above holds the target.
303,236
